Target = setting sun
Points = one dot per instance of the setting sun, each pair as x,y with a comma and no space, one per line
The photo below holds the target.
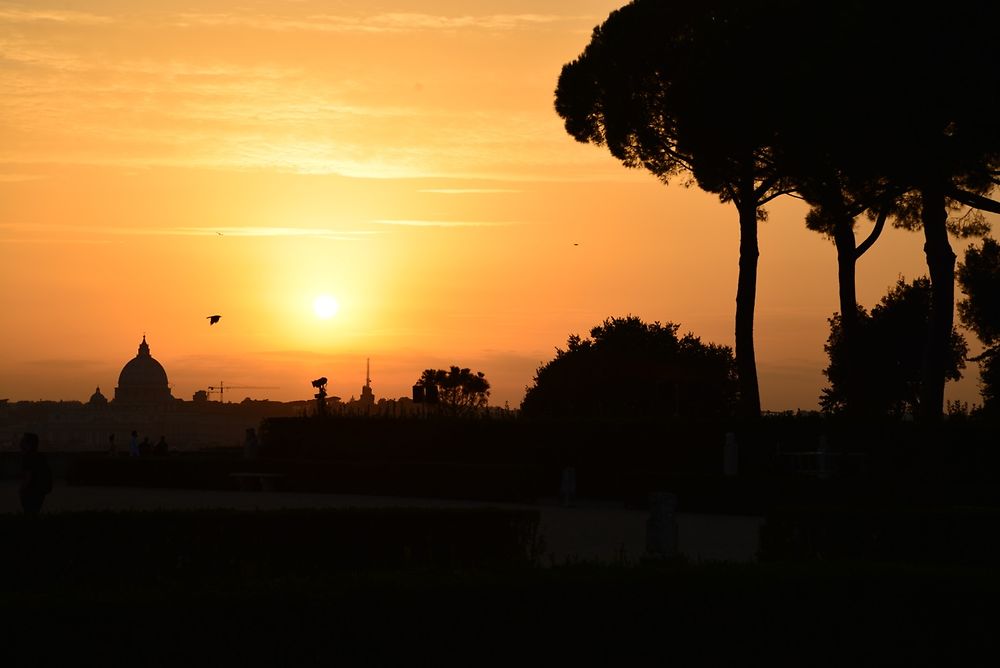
325,307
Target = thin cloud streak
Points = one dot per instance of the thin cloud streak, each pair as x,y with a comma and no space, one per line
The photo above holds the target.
391,22
468,191
11,15
336,235
50,240
441,223
302,232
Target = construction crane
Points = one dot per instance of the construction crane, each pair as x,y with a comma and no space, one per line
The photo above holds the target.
222,387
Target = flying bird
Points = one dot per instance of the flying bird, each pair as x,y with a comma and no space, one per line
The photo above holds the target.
212,319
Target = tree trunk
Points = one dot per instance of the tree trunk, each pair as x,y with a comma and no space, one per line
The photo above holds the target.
941,264
843,237
746,295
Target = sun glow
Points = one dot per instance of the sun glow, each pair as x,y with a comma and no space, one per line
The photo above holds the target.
325,307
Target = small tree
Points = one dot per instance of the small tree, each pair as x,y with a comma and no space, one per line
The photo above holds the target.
979,278
629,368
459,392
891,344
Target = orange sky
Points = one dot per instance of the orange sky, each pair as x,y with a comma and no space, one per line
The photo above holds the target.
161,162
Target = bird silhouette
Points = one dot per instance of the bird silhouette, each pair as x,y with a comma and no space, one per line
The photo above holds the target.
212,319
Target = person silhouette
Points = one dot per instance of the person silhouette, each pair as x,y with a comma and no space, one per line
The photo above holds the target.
567,486
160,448
133,445
36,476
250,444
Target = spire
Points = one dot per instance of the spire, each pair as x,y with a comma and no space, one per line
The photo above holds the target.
368,372
144,347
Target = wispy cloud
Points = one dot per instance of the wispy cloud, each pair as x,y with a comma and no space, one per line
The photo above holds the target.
121,104
64,233
467,191
14,15
441,223
55,240
394,22
320,233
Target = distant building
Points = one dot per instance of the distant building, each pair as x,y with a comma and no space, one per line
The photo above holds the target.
366,402
142,402
143,381
98,400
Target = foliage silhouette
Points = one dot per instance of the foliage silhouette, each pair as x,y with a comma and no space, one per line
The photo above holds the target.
457,391
662,85
874,129
979,278
892,344
631,369
944,148
827,142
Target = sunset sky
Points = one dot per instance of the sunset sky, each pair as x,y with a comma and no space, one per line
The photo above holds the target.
162,161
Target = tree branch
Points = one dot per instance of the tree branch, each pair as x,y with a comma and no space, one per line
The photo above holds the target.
764,186
974,200
776,194
876,231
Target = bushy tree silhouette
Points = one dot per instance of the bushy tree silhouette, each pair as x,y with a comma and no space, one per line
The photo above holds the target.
666,86
892,343
632,369
458,391
979,278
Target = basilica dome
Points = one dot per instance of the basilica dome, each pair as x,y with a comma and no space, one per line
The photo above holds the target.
142,380
97,399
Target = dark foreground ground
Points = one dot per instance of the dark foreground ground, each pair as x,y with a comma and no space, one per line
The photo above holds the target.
651,614
127,593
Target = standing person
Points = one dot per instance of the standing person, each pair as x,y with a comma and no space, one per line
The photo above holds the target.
160,448
133,445
111,444
36,477
250,444
567,487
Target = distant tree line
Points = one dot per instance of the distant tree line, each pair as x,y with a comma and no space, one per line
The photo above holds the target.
879,112
457,391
